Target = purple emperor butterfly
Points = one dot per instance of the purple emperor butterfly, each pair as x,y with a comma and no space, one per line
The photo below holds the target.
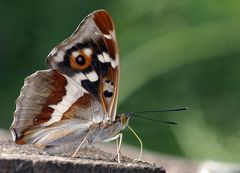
74,102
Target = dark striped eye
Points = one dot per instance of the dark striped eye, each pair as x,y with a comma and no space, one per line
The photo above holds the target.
80,60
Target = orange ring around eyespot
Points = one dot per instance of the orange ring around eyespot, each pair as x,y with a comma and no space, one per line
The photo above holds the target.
76,66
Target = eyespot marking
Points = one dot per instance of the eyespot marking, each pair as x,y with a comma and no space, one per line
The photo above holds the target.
80,59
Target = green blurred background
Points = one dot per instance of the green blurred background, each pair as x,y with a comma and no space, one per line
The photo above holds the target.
173,53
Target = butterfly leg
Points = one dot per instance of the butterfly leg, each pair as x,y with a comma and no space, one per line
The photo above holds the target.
118,143
79,147
118,139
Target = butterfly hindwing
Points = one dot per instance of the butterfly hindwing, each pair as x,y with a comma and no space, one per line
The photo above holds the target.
90,57
50,102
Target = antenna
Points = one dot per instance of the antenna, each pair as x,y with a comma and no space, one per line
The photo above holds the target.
136,114
151,119
163,110
141,144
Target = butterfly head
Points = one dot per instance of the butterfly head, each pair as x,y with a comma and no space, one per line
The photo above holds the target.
123,119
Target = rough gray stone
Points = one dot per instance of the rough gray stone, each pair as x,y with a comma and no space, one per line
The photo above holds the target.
27,159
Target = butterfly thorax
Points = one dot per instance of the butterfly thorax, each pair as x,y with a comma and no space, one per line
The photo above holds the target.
107,129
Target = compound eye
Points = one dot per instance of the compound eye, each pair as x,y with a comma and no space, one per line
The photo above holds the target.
81,60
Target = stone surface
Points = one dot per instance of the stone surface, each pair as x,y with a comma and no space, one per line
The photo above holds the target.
28,159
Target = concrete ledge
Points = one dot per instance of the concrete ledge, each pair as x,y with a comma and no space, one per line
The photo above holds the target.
27,159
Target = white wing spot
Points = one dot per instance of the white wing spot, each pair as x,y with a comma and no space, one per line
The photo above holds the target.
107,36
101,58
113,64
113,35
79,77
87,51
75,54
92,76
106,57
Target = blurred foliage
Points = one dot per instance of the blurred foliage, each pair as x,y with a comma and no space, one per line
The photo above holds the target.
172,54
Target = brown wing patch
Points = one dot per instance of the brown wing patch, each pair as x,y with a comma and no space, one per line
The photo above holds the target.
40,119
58,82
82,103
111,47
105,25
40,90
58,91
20,141
103,21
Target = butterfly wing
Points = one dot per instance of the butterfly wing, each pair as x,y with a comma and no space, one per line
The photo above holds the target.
53,107
90,57
57,107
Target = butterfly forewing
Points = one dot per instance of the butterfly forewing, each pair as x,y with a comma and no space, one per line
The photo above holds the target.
90,57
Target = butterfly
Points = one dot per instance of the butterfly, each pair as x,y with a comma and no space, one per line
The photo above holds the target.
74,102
